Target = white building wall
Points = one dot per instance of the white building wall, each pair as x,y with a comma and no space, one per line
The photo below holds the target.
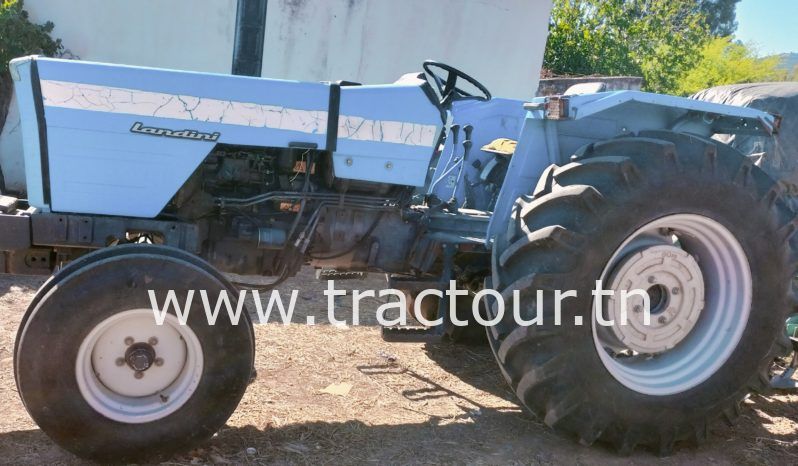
194,35
499,42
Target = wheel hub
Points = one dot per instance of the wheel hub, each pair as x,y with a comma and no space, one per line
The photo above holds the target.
132,370
674,285
140,356
698,314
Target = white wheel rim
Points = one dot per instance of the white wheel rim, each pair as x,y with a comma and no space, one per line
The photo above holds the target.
111,386
713,331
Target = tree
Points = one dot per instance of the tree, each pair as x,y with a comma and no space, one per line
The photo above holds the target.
720,16
724,61
19,37
657,39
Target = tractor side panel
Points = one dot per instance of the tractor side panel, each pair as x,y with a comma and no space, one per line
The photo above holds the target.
386,133
122,140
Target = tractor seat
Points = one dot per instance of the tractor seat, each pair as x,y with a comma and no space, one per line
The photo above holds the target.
501,146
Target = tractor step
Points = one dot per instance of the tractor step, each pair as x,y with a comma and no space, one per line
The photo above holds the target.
405,334
412,284
331,274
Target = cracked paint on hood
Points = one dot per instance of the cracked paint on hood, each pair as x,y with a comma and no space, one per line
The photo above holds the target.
79,96
91,97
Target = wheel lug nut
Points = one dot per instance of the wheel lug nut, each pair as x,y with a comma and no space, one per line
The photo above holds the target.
662,319
675,290
120,361
651,279
139,374
637,308
129,341
152,341
159,361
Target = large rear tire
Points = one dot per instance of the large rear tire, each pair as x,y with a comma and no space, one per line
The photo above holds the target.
688,217
103,380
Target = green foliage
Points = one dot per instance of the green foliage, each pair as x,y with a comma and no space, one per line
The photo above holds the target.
18,36
789,62
659,40
720,16
726,62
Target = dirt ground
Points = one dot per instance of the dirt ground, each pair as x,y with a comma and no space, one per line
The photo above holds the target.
409,403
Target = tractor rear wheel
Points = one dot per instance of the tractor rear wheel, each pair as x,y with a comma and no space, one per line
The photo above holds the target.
689,221
105,381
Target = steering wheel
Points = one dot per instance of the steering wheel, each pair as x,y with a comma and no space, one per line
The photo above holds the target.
448,87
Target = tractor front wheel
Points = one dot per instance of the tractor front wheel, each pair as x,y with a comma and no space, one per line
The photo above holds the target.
106,380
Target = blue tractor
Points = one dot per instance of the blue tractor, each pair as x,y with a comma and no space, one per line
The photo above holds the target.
141,180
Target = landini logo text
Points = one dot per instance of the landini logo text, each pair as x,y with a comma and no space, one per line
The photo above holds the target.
138,127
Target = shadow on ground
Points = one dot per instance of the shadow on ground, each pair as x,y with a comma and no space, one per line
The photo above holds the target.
409,403
477,434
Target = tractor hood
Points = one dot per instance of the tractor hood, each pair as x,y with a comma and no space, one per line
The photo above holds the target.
121,140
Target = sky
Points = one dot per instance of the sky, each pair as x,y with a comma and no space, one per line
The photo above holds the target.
771,24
